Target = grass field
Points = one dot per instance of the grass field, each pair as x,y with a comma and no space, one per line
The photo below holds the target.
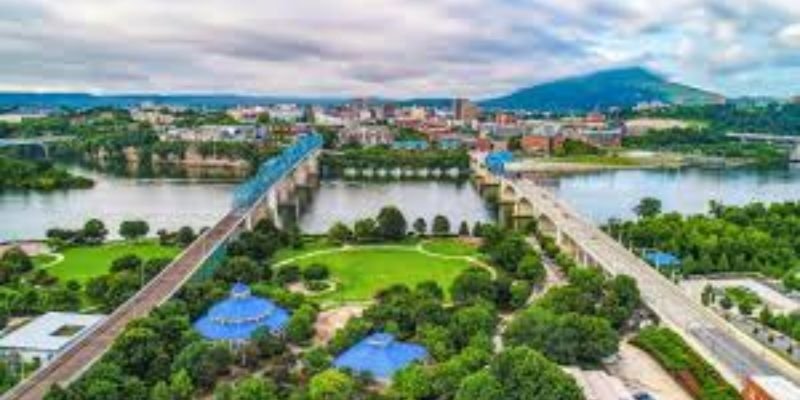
86,262
450,247
362,272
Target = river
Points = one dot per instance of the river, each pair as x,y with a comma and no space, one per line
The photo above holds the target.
171,203
608,194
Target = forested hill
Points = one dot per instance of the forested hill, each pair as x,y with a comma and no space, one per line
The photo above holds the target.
624,87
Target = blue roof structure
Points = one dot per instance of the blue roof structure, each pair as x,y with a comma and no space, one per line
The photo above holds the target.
380,355
238,316
661,259
496,161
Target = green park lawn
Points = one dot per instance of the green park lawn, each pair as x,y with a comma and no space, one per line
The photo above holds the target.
450,247
85,262
361,272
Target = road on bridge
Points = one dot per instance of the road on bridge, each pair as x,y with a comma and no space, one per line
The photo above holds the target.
735,354
80,357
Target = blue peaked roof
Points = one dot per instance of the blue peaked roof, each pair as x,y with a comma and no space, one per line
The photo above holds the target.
496,161
380,355
661,259
238,316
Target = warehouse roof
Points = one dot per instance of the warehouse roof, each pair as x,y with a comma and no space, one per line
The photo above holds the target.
50,332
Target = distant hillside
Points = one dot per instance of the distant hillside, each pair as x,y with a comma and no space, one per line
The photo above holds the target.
601,90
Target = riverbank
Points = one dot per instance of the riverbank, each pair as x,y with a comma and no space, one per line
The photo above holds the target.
629,160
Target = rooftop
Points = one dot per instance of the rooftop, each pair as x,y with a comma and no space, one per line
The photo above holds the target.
380,355
238,316
661,259
50,332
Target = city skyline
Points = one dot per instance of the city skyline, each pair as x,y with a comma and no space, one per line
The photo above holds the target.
473,48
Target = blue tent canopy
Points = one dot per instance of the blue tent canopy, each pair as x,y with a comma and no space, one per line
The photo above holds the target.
380,355
661,259
238,316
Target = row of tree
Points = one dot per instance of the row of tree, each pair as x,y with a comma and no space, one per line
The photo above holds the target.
390,225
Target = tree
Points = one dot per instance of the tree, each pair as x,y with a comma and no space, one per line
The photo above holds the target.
520,292
331,384
180,385
300,327
420,227
481,385
316,272
94,231
530,268
708,295
726,303
525,374
472,284
411,383
239,269
128,262
339,234
16,261
648,207
441,225
255,388
185,236
134,229
463,229
391,224
365,230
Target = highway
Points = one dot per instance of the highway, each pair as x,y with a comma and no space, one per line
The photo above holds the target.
735,354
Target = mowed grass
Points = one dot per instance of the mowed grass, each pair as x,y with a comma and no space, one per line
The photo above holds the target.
361,272
86,262
450,247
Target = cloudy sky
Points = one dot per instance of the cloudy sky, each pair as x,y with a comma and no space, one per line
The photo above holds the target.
401,48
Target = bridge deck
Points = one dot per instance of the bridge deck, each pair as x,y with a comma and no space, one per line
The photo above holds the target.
72,362
738,354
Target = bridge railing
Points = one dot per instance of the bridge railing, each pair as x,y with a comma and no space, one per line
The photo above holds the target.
272,170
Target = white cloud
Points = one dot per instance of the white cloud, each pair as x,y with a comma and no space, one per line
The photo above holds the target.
390,47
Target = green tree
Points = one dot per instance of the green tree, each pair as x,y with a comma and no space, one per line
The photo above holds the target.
463,229
525,374
530,267
255,388
340,234
365,230
481,385
391,223
648,207
411,383
520,292
472,284
300,327
441,225
94,231
135,229
331,384
180,385
239,269
707,296
420,227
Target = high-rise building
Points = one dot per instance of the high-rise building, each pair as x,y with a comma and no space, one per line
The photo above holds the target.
465,110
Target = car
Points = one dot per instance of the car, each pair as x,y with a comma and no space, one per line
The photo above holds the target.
643,396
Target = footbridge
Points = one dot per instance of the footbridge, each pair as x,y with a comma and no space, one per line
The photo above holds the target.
792,141
257,198
735,354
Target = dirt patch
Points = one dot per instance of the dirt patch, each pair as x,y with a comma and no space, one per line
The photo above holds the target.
329,321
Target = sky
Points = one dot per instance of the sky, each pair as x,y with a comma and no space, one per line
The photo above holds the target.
391,48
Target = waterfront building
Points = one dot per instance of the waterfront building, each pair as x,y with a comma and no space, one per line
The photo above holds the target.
236,318
46,336
380,355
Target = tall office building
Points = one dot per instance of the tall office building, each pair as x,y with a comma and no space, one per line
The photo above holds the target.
465,110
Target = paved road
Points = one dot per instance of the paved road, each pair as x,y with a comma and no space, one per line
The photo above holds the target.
735,354
81,356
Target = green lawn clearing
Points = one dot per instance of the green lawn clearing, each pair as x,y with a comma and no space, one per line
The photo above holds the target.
86,262
361,272
450,247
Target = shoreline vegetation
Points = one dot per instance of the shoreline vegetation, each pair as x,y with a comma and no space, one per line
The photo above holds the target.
18,174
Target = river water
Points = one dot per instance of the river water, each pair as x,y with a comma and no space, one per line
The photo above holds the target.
171,203
608,194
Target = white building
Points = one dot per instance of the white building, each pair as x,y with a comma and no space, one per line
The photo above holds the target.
45,336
